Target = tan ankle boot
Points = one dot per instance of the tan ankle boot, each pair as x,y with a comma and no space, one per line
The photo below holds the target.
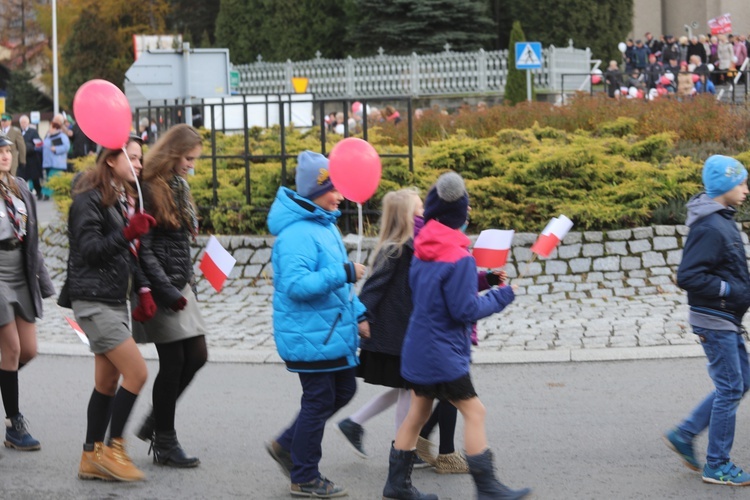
88,468
426,450
116,462
451,463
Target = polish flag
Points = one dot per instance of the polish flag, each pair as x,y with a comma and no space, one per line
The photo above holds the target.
552,235
492,247
77,328
216,264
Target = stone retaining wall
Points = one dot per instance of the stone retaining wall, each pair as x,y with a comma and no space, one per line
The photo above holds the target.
588,264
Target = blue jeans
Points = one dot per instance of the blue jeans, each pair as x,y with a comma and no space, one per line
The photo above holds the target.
323,394
728,368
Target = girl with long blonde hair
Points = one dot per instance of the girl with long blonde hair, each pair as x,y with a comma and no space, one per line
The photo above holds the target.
387,295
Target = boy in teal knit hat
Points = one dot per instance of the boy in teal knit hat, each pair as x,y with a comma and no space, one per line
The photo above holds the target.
714,273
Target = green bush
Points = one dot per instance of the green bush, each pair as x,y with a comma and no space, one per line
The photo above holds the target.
604,163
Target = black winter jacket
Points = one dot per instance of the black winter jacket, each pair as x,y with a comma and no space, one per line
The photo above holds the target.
714,270
101,266
387,296
166,262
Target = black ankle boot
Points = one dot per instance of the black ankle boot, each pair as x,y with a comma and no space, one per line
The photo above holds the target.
167,451
488,487
398,486
146,432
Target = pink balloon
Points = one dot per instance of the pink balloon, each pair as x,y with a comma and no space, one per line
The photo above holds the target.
355,169
665,80
696,78
596,79
103,113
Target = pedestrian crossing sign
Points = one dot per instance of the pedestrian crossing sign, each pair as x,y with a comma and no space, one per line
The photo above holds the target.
528,55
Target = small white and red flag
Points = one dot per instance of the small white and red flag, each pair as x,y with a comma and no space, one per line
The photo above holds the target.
492,247
216,264
77,328
552,235
720,24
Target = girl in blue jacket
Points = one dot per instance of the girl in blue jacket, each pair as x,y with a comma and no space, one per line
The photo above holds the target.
316,317
437,348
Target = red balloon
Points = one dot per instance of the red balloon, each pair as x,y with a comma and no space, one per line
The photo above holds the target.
355,169
665,80
696,78
103,113
596,79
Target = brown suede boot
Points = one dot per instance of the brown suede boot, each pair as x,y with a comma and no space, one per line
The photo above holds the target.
89,459
116,462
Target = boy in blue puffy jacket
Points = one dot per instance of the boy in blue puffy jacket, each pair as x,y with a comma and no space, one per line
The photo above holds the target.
714,273
316,317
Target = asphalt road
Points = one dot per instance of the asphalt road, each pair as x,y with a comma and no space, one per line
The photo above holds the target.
569,430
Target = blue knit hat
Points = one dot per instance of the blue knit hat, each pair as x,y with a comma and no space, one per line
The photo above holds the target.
312,176
448,202
722,174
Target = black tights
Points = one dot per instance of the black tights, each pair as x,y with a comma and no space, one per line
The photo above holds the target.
178,363
446,415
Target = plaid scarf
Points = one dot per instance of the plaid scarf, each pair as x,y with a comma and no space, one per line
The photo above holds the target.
16,214
127,208
184,203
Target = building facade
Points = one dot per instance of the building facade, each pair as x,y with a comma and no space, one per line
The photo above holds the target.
685,17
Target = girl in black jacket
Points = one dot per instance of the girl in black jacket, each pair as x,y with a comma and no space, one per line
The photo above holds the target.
104,231
23,283
177,329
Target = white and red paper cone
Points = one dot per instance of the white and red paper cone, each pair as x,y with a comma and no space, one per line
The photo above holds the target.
77,328
492,248
552,235
216,264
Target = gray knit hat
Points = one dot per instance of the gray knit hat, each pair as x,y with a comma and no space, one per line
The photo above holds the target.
448,202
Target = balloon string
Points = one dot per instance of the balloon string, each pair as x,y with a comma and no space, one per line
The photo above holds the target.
135,176
360,231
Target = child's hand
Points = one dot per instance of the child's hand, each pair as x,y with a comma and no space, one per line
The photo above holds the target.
360,269
514,287
502,276
364,329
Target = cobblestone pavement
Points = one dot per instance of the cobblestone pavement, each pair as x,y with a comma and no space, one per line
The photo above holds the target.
240,328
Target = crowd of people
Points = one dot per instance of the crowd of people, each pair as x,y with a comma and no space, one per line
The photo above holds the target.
337,123
654,67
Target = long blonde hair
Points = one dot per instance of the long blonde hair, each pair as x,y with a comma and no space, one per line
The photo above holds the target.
396,224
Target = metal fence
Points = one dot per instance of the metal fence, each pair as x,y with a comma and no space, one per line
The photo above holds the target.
445,73
220,116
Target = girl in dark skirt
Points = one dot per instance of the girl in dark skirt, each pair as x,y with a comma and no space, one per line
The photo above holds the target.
24,282
387,295
435,358
177,329
104,229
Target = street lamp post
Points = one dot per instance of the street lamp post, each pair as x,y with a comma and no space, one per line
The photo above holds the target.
55,89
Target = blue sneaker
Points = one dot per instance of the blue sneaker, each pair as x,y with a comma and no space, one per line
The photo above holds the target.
683,447
17,436
727,473
353,433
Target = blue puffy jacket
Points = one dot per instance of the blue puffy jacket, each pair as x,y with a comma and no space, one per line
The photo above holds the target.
443,279
315,312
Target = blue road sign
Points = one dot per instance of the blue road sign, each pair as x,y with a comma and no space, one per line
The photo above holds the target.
528,55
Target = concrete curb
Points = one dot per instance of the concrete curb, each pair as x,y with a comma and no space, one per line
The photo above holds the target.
479,357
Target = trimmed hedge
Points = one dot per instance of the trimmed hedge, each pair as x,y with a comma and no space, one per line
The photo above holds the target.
626,171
